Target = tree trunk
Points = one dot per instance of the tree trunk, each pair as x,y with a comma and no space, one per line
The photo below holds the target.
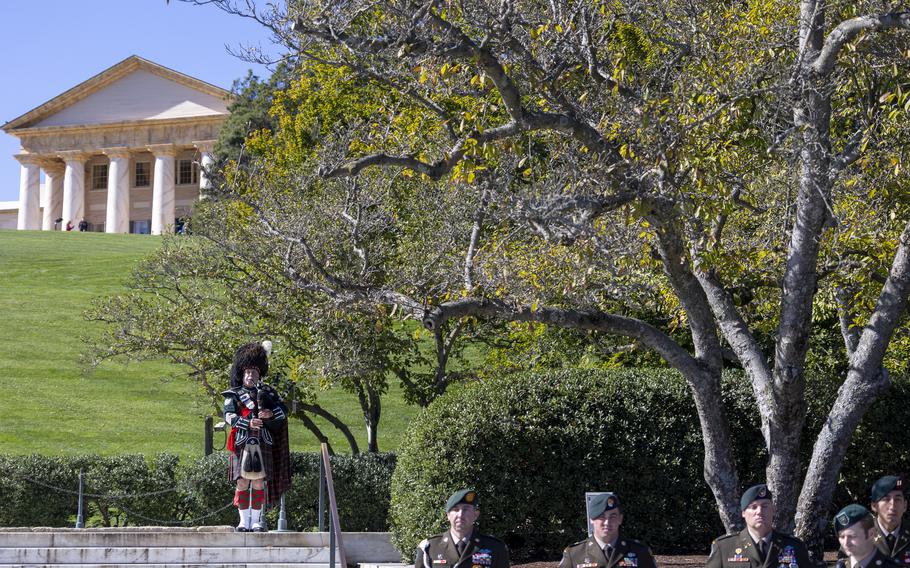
854,398
783,470
371,409
812,115
372,415
442,360
719,467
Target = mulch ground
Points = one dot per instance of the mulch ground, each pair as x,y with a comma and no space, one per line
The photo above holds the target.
662,562
677,561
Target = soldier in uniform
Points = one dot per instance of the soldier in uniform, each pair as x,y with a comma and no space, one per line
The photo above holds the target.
856,534
606,548
889,504
758,545
462,546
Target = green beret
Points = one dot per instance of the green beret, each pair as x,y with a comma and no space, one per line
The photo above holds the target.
602,503
849,516
754,493
886,485
468,496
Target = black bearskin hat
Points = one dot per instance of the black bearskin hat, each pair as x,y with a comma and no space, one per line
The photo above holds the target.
250,355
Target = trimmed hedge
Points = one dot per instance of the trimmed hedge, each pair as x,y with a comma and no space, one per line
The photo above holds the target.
41,491
533,443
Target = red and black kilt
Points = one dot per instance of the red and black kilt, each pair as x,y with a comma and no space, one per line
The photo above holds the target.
276,459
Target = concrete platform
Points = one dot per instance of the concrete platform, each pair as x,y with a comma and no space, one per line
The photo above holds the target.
151,547
119,565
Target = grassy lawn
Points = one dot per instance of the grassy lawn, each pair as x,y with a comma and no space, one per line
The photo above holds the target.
53,405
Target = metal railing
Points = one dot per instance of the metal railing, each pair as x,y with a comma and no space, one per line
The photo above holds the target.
325,477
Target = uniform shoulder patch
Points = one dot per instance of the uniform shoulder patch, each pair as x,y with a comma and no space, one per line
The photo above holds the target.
435,538
790,539
491,539
725,537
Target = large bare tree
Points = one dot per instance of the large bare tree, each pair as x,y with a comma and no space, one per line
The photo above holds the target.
751,151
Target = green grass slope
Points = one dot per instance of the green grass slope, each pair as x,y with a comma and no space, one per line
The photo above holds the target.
51,404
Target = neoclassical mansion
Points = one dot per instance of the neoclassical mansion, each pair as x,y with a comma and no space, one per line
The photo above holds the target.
121,150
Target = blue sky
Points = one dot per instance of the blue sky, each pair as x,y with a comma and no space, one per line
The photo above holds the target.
49,46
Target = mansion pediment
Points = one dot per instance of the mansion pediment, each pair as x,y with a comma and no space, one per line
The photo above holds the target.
134,103
140,95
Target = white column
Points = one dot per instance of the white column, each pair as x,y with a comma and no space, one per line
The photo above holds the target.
53,184
29,193
163,188
206,163
73,188
117,219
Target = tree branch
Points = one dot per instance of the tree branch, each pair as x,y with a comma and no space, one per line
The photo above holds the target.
678,269
849,29
334,421
743,343
845,316
475,237
866,379
646,333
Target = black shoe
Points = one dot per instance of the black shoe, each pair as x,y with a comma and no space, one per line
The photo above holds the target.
260,528
241,529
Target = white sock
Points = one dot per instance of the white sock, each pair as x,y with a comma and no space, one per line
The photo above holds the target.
244,518
256,517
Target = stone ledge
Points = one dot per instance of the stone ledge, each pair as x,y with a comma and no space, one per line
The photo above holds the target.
211,529
360,548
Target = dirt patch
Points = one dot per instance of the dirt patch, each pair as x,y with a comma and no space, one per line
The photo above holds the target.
675,561
662,562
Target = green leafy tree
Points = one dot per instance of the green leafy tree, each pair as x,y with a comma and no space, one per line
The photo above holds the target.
250,110
735,169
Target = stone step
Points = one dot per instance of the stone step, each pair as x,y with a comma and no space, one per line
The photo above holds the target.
164,555
117,565
76,547
172,539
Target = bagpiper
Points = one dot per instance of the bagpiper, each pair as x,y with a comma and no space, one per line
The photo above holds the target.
258,441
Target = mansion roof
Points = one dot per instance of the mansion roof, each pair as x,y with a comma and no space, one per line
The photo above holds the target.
134,104
132,91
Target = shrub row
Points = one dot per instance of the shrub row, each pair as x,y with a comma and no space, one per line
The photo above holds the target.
42,491
532,444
